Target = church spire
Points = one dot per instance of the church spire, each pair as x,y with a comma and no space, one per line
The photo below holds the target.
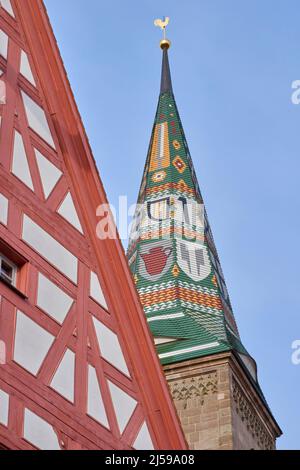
172,254
165,44
171,250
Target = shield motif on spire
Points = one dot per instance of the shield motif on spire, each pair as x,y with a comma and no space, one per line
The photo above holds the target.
193,259
156,259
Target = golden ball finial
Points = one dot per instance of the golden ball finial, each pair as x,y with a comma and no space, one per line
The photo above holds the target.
162,24
165,44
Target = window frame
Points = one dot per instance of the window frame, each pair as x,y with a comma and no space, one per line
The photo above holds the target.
20,266
14,268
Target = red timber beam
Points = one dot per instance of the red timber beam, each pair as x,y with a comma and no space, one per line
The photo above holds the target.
82,169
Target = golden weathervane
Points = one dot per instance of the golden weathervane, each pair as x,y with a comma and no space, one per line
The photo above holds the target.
162,24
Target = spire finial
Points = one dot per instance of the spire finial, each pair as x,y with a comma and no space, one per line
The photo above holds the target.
165,43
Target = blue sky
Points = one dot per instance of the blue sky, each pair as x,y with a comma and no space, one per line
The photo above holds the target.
232,64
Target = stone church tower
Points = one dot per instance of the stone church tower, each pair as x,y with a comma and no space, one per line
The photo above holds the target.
174,261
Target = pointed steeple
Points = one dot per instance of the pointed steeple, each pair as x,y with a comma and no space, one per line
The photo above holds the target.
181,285
172,253
166,82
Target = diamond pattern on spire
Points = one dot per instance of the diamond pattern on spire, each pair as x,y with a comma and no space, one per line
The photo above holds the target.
179,164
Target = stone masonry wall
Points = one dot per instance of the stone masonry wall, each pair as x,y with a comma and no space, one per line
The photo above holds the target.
217,407
202,400
250,429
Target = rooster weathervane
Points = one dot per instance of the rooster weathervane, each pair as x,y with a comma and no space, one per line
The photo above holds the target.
162,24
